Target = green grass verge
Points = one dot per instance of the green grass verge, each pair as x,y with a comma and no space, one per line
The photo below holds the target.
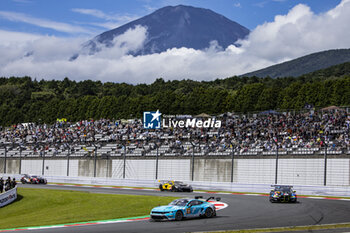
37,207
98,185
197,190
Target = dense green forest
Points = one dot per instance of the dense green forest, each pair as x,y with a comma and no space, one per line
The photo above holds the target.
23,99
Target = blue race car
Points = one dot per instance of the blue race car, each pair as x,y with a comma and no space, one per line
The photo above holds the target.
282,193
185,208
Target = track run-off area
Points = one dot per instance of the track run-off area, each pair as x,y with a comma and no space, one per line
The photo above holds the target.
236,211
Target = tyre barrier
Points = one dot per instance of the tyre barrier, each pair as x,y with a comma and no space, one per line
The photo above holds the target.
8,197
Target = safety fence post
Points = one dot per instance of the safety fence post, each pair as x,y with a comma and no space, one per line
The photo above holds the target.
20,160
325,166
232,162
5,160
192,164
95,159
124,161
157,162
68,161
276,171
43,168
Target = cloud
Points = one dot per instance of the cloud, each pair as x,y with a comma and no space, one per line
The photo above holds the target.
44,23
100,14
22,1
93,12
237,4
262,4
113,20
288,36
300,32
16,38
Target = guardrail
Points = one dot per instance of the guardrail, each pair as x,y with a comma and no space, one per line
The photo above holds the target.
8,197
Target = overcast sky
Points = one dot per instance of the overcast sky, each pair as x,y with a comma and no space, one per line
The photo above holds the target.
37,38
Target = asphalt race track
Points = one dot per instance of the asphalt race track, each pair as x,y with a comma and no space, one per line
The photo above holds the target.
243,212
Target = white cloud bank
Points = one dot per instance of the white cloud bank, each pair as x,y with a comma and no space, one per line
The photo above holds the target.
298,33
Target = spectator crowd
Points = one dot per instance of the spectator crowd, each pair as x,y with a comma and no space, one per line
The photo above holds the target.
256,131
7,184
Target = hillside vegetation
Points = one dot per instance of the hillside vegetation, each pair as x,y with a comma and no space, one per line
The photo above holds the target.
305,64
23,99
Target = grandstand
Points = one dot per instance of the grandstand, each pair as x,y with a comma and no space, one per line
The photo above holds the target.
306,133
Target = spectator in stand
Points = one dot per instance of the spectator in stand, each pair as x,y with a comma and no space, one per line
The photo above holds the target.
13,183
302,130
1,185
8,184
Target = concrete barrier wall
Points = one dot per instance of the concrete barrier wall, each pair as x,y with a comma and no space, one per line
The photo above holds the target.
255,171
117,168
338,172
177,169
140,169
262,171
55,167
32,166
294,171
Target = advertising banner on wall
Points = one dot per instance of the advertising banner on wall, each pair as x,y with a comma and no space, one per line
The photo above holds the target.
8,197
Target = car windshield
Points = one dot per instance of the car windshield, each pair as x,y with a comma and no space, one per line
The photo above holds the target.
283,189
179,183
179,202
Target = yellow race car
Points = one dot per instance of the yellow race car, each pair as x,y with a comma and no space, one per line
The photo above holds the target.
174,186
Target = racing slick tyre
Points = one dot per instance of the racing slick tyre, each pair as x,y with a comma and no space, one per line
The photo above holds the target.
179,215
173,189
23,182
209,213
161,188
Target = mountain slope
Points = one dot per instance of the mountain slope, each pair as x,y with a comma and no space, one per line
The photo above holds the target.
333,71
305,64
176,27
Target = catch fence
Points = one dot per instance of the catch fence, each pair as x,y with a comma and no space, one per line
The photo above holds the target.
308,166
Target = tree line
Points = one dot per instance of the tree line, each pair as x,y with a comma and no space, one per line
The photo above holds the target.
23,99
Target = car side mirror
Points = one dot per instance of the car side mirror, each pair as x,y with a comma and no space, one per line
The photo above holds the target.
218,198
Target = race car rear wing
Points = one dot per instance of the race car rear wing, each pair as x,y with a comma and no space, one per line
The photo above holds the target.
282,186
210,198
213,198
